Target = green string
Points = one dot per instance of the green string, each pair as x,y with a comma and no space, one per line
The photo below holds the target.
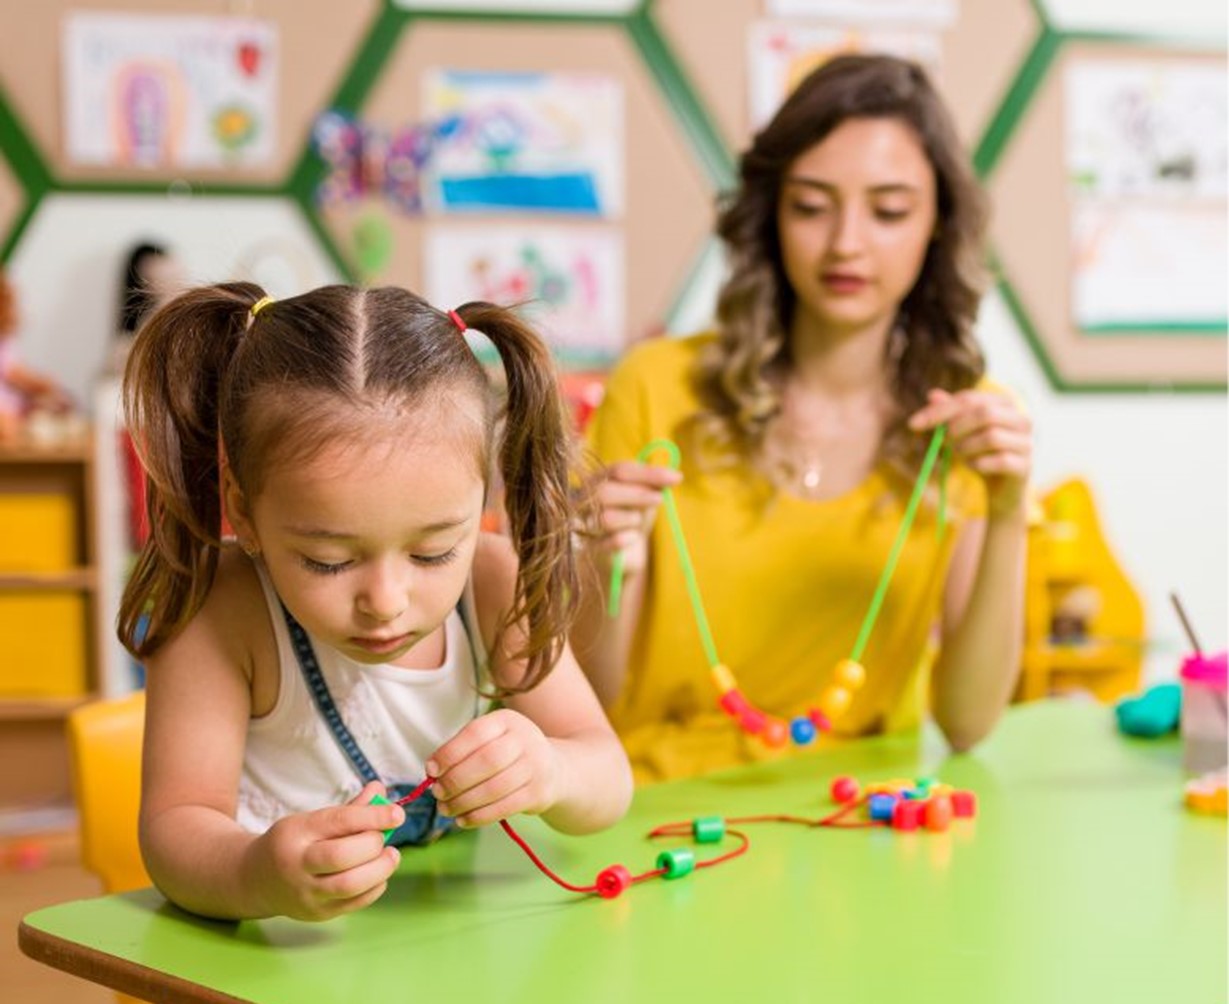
680,545
936,450
881,589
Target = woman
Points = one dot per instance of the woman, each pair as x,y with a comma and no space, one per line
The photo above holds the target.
844,339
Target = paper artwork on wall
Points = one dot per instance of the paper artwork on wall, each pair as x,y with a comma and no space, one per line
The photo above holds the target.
1146,156
570,282
781,53
536,142
152,91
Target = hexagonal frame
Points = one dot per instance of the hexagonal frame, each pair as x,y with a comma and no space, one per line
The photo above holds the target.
997,136
681,99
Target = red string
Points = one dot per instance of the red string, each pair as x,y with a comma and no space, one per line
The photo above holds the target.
668,830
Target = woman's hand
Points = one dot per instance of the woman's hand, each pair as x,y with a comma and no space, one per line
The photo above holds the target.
317,865
626,498
990,433
497,765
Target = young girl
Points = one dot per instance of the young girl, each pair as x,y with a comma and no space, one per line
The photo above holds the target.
346,434
844,339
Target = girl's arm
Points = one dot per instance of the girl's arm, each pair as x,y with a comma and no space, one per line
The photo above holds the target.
548,752
626,499
309,866
983,615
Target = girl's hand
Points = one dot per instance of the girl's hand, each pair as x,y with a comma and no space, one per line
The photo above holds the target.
496,766
626,497
990,434
317,865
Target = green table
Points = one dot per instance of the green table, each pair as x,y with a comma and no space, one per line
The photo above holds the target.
1082,879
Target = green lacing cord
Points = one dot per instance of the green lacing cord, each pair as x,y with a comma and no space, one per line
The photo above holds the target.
889,569
936,451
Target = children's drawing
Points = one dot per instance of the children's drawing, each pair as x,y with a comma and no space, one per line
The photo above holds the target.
538,142
569,281
1146,161
168,91
781,53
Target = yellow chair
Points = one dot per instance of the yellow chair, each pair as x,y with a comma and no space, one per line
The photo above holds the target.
104,740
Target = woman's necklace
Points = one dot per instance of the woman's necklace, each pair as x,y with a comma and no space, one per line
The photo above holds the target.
848,675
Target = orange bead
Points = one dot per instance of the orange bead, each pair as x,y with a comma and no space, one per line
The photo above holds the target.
937,813
775,733
849,674
835,701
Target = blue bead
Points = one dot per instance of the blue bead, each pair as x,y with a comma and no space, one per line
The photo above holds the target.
881,806
802,730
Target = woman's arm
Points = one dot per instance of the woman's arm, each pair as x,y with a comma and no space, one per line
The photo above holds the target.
549,752
983,616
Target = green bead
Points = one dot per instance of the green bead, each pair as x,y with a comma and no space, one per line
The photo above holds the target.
708,829
381,800
677,863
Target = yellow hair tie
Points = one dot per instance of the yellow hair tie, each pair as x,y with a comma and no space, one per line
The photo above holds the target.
260,305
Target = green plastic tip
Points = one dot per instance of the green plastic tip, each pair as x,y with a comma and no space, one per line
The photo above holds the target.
381,800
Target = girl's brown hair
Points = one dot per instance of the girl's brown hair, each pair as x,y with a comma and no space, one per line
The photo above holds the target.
756,304
207,379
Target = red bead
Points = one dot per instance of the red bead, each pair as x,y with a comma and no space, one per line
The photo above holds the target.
907,815
964,804
733,703
844,789
612,881
775,732
752,720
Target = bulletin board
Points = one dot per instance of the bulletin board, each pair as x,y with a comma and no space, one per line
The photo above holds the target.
1032,235
683,69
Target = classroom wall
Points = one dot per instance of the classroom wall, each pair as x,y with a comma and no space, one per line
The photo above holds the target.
1156,459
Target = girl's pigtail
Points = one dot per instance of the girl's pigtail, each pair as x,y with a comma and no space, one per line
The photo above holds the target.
536,463
171,386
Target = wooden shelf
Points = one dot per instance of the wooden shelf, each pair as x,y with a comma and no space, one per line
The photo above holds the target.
77,451
74,578
39,709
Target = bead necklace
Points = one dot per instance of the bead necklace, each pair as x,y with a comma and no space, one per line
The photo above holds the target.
849,674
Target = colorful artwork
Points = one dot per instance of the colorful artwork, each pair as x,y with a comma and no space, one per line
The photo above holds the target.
569,282
533,142
781,53
1147,168
165,91
364,160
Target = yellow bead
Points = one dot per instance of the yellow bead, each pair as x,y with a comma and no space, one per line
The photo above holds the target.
849,674
835,701
723,678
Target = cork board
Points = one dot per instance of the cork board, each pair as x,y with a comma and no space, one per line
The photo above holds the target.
980,54
1031,234
317,41
668,210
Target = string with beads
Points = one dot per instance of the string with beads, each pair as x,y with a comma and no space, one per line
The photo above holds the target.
898,804
849,674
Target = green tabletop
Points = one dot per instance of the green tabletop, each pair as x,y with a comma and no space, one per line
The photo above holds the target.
1082,879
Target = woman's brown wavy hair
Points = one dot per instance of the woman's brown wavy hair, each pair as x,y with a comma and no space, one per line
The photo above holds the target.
756,303
206,379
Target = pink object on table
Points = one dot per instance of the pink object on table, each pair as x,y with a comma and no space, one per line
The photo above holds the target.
1205,714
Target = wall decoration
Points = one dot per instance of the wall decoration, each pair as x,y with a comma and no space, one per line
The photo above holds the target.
781,53
1147,165
167,91
569,281
538,142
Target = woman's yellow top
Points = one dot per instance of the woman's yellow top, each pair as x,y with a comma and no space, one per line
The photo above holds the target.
786,583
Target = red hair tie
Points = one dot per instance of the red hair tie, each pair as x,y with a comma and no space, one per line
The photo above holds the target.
456,319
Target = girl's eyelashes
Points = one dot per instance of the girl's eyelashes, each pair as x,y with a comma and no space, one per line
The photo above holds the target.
321,567
436,559
808,208
891,215
333,568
